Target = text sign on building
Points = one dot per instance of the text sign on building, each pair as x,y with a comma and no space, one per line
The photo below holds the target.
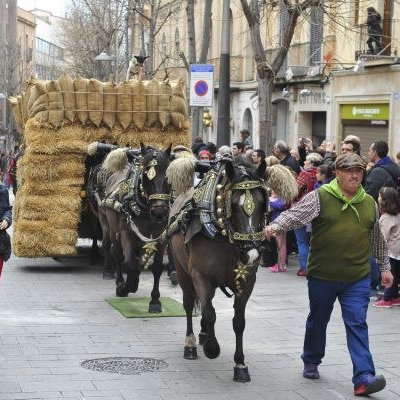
365,111
201,85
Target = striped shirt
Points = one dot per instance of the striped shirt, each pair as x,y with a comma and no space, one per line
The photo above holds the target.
309,207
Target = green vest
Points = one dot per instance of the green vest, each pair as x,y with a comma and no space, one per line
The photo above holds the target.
339,245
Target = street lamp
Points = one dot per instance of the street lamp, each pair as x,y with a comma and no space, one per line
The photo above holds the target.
103,56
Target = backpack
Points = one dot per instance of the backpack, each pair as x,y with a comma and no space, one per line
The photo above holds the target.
395,179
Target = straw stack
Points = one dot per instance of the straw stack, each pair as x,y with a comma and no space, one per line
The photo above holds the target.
58,120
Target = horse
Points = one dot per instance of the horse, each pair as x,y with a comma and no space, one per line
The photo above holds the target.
141,212
218,243
95,194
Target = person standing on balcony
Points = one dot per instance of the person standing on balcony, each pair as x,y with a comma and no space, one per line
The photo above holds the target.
374,27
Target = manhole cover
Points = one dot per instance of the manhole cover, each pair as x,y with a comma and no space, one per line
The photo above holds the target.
124,365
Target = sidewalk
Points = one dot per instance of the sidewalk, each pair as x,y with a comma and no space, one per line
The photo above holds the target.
53,316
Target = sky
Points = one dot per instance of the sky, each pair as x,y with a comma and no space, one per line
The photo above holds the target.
57,7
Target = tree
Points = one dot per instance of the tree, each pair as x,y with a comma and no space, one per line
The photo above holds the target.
205,42
267,70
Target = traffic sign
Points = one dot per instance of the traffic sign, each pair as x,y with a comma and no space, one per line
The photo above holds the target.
201,85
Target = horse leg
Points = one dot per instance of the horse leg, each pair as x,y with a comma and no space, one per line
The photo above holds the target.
108,262
156,269
240,370
206,293
130,260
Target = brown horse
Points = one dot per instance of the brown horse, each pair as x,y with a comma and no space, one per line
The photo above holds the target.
144,214
222,247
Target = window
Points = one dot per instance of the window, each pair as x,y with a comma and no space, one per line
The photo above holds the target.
316,34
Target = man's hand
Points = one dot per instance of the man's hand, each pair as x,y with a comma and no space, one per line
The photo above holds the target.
330,146
387,279
269,232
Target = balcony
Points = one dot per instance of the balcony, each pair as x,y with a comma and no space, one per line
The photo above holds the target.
389,40
242,69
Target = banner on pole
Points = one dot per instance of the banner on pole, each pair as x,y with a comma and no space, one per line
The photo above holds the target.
201,85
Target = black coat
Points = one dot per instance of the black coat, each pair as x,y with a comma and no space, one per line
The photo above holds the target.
5,214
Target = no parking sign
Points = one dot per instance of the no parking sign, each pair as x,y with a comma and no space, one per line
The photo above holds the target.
201,85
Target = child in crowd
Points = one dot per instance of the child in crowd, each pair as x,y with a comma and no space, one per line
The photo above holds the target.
389,206
324,175
278,205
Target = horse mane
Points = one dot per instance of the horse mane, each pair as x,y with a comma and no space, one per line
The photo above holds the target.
282,182
180,173
116,160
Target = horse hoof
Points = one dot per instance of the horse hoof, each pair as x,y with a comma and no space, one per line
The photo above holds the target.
120,291
211,348
241,374
190,353
108,275
155,308
202,338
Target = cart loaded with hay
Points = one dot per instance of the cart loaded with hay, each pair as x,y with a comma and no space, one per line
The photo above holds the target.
58,119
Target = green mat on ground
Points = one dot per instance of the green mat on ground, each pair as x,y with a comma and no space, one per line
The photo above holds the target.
138,307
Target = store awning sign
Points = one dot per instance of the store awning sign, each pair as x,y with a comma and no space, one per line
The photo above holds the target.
365,111
201,85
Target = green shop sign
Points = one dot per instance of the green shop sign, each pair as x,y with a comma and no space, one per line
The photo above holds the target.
365,111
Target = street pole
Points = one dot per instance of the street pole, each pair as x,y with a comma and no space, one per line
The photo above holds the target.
116,46
223,129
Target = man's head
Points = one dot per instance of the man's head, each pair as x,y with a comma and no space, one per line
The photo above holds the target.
281,150
378,150
237,148
257,156
350,146
349,172
205,156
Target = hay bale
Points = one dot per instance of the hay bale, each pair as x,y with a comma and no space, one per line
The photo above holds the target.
110,104
67,90
95,101
179,112
164,106
124,104
152,102
138,103
56,104
81,89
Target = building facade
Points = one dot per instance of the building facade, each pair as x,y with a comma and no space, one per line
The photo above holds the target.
329,73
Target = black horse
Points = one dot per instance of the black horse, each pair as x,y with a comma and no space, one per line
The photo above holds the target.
224,220
140,213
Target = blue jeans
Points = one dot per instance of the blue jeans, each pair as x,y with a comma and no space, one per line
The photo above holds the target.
303,244
354,299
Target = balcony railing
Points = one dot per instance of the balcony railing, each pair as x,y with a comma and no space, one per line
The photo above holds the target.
387,39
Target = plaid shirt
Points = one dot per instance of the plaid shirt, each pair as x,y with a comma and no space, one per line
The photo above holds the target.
309,207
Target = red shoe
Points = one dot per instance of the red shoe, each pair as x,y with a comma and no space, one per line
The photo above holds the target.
396,302
301,272
383,303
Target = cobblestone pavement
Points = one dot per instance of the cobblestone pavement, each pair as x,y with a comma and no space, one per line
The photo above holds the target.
53,317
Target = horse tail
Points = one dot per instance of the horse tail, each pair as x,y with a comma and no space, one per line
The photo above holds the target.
115,161
197,306
180,173
282,182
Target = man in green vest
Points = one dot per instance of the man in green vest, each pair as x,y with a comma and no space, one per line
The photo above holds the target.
345,230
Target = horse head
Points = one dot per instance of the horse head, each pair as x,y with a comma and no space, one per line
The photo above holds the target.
155,187
244,204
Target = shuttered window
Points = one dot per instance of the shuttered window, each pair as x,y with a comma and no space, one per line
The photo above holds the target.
283,22
316,33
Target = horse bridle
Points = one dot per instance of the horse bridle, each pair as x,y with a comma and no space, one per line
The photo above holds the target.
248,207
158,198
